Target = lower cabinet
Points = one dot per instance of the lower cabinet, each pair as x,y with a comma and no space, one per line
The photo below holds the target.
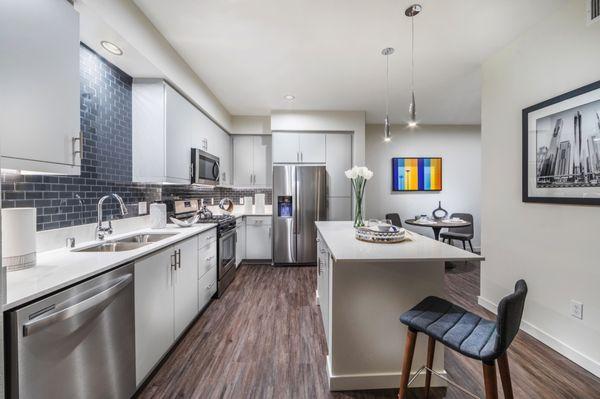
185,284
240,244
153,311
169,293
323,266
258,237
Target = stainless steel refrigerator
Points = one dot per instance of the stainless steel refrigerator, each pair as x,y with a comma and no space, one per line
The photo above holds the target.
298,201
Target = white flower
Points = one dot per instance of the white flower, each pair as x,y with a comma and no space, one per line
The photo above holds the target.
352,173
368,174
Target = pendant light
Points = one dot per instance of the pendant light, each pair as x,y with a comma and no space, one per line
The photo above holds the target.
387,134
411,12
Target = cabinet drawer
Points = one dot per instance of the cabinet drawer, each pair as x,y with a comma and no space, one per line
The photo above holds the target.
207,258
207,287
258,220
207,237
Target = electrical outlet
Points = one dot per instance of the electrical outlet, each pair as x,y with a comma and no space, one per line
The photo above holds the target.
241,200
577,309
212,201
142,208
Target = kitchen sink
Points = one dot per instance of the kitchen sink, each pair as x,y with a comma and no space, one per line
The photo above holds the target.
145,238
126,243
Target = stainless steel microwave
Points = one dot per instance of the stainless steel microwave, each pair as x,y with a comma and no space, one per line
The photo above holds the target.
205,168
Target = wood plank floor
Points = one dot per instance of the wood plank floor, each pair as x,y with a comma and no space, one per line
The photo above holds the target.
264,339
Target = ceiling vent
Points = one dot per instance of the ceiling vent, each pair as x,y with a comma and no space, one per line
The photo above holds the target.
593,11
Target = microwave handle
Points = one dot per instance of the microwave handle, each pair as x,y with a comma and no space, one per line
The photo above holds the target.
216,172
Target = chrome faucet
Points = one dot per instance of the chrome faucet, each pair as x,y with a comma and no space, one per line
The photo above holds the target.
102,231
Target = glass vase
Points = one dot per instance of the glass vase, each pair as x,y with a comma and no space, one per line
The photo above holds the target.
358,211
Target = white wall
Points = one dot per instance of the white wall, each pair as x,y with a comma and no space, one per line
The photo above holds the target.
325,121
242,124
129,22
459,146
553,247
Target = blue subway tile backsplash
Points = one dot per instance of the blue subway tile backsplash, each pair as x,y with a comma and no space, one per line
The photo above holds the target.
106,119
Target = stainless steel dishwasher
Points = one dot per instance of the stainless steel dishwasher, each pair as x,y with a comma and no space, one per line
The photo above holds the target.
78,343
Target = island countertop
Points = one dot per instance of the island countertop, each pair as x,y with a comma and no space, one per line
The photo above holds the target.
339,237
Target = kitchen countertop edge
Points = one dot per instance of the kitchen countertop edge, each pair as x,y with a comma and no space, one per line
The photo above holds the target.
125,258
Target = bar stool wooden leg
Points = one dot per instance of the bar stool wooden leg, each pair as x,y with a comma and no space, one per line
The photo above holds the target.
409,350
430,353
489,379
505,376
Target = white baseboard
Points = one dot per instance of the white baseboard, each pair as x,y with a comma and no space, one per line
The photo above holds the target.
591,365
350,382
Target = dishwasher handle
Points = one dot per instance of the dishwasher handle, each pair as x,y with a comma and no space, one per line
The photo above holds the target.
93,302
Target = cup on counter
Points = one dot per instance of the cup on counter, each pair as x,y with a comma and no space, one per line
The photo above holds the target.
18,238
247,205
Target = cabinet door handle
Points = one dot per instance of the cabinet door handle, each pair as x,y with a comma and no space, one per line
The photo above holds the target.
80,148
178,258
209,257
269,231
297,156
301,157
208,287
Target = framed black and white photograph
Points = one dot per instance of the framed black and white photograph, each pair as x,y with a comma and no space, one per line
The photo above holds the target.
561,148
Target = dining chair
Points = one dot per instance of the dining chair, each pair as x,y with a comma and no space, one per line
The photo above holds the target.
466,333
395,218
464,234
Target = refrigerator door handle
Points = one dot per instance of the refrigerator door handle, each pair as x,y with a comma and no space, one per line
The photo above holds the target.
298,204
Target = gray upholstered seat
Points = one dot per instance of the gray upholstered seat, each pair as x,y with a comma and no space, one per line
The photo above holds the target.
466,332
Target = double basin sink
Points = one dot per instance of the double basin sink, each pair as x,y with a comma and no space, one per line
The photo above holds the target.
127,243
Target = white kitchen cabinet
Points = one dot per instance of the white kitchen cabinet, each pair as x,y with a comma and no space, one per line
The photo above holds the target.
323,265
299,147
207,257
258,237
39,42
166,126
252,161
240,244
207,287
312,147
167,292
263,166
338,160
243,163
285,147
153,311
185,284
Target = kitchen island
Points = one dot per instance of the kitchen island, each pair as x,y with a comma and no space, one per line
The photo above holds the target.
362,288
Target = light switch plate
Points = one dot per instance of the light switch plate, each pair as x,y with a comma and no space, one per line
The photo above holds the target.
142,208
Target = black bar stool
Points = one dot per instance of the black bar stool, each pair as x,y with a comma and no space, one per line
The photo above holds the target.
466,333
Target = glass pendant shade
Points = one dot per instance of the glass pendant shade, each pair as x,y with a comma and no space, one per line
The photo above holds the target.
387,134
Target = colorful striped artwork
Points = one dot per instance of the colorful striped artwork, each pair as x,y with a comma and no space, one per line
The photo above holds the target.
417,174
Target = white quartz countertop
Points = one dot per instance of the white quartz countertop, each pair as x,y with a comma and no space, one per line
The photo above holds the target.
238,211
339,238
62,267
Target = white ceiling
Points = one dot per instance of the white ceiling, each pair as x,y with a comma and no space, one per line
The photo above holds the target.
327,53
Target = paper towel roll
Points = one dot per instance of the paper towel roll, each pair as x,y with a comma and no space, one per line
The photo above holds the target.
247,205
259,203
18,238
158,216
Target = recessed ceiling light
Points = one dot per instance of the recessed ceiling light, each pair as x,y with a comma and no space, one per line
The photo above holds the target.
111,48
289,97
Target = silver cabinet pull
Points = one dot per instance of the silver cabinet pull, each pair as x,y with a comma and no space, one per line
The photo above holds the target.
95,301
208,287
178,258
80,147
301,157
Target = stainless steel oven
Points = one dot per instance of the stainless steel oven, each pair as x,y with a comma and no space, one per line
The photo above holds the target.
226,260
205,168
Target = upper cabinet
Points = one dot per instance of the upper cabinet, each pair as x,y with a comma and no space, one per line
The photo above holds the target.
39,42
166,126
252,161
299,147
339,159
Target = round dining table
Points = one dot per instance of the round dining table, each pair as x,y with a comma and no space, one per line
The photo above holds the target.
438,225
